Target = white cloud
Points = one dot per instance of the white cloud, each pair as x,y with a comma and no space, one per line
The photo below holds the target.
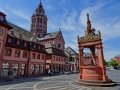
111,54
93,11
75,47
109,27
26,26
106,26
13,14
75,23
18,12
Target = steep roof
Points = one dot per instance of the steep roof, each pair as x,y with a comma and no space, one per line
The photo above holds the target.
86,54
49,36
117,56
50,49
70,51
66,53
21,33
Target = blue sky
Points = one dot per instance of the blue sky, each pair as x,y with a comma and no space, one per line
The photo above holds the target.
70,16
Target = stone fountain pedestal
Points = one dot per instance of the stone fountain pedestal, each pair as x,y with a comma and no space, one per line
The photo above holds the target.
94,76
94,72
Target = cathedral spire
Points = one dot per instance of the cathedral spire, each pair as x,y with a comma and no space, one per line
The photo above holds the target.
88,17
39,21
40,2
88,31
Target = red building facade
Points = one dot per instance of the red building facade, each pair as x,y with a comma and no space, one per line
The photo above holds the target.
55,59
21,55
27,53
117,59
72,60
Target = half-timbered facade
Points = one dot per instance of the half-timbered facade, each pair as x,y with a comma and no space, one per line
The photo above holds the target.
23,55
55,59
30,53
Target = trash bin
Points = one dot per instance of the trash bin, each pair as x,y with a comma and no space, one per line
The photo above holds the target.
10,76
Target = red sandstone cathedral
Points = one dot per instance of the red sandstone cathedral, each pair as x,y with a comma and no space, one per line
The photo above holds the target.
31,53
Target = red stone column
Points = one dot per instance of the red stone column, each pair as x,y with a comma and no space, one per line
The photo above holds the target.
100,55
34,74
10,66
93,55
81,56
27,69
19,68
1,62
101,61
81,60
2,46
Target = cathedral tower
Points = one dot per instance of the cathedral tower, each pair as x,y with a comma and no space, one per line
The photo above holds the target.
39,21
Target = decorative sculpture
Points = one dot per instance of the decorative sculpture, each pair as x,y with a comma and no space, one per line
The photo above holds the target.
93,73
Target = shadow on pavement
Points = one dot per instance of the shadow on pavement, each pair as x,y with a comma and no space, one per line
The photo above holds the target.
21,80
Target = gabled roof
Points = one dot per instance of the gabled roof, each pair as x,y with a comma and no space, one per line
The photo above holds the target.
50,49
21,33
66,53
49,36
86,54
70,51
117,56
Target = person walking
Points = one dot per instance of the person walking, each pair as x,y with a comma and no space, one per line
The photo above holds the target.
49,72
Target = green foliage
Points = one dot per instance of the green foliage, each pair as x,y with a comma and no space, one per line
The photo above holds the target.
112,63
106,63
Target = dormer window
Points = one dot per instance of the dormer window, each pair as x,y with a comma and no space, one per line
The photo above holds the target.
12,33
20,36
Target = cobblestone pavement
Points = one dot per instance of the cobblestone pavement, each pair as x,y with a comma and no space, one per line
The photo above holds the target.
62,82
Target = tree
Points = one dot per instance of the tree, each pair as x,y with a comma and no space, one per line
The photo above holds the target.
106,63
113,63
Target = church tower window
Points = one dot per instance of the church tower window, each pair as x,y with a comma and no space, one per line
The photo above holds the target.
39,21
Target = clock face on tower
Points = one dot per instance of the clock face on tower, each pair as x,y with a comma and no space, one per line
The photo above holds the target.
1,31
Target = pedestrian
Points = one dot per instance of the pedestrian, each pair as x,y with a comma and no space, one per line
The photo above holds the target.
49,72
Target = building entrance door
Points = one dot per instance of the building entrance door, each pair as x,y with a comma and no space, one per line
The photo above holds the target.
5,68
